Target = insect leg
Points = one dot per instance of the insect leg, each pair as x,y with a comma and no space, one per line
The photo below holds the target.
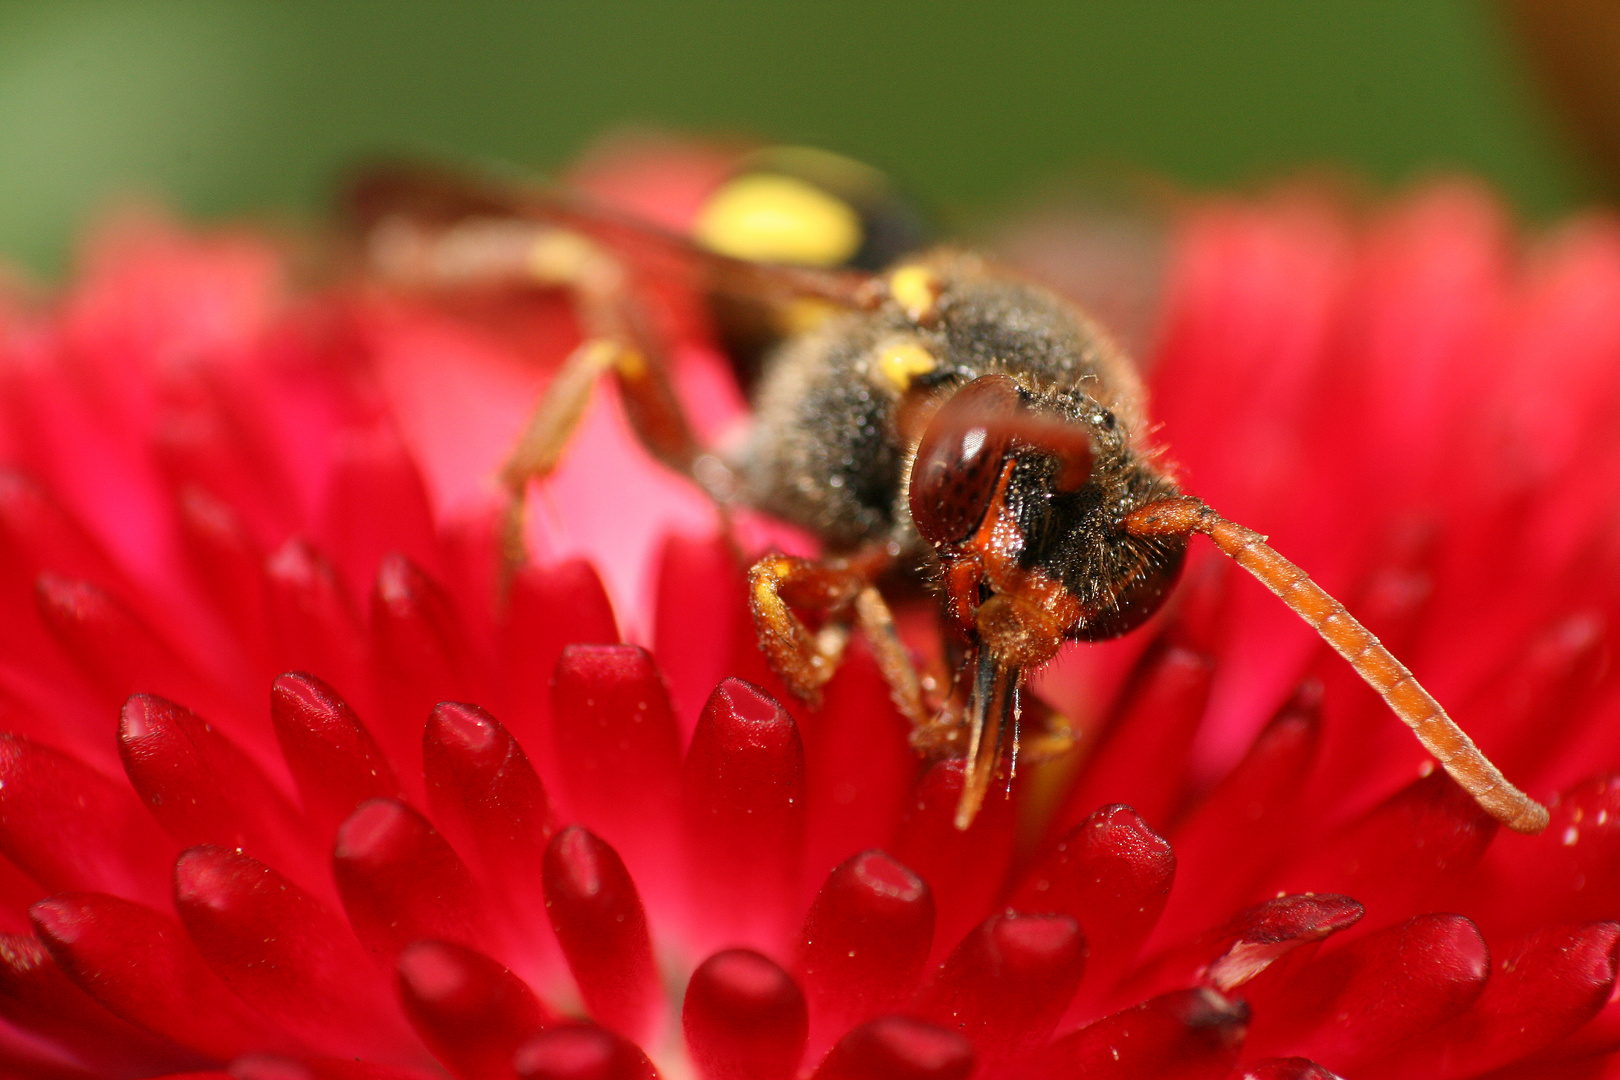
804,660
841,590
1438,733
619,337
877,624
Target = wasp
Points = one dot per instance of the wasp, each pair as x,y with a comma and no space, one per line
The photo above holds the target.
933,419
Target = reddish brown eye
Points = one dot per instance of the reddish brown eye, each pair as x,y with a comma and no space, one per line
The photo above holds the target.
959,459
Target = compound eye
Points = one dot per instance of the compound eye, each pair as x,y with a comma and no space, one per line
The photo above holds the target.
959,459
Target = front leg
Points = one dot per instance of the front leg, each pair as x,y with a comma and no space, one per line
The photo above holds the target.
804,660
841,593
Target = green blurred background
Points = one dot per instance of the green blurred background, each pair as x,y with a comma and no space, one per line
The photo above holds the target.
223,108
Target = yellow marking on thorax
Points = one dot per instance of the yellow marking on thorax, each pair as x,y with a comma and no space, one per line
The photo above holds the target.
902,362
916,289
776,218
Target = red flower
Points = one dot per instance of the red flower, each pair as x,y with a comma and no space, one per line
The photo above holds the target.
1247,870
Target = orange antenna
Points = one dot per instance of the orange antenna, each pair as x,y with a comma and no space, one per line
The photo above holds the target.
1439,735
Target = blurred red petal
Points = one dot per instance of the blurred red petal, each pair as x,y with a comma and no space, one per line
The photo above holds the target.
39,998
1184,1035
602,927
702,618
578,1052
1413,847
1234,953
744,801
1357,1003
115,650
865,940
203,789
229,566
420,651
286,954
1112,875
744,1018
898,1048
401,882
1217,861
1542,988
372,469
313,620
333,758
964,868
549,608
1138,761
142,967
1294,1068
72,829
262,1066
620,752
486,794
1007,984
1569,873
472,1012
859,765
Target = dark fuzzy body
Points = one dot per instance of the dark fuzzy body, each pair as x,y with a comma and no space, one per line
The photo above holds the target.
827,450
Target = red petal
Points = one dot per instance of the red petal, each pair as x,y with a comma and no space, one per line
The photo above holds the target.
603,931
401,882
203,789
140,965
1233,954
619,753
579,1052
1294,1068
744,804
332,756
277,1067
1184,1035
230,567
1570,873
547,609
1416,845
1543,988
898,1048
373,471
285,953
702,617
859,766
744,1018
1112,875
314,623
486,795
115,650
965,869
36,996
1218,860
420,652
865,941
37,534
72,829
472,1012
1353,1005
199,444
1008,982
1142,759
